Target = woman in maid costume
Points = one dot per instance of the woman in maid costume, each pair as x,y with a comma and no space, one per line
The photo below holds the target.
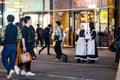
92,52
81,54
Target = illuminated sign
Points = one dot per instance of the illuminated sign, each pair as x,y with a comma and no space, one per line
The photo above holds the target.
85,3
37,6
103,17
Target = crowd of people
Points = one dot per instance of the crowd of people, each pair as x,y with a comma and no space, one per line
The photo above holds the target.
22,37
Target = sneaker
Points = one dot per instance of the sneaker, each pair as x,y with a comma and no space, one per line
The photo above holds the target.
17,70
57,60
30,74
11,74
23,72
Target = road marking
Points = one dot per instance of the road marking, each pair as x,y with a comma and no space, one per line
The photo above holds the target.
65,77
3,70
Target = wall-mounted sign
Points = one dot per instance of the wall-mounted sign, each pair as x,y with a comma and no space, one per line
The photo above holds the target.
103,17
86,3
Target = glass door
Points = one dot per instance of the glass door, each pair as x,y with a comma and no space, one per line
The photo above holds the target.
44,19
103,29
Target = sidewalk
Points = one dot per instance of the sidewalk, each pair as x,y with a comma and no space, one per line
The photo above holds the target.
106,57
46,69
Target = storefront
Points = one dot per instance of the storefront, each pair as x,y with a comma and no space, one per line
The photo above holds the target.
101,12
71,13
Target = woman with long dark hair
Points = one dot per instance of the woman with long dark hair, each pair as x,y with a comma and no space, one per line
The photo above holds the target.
19,50
92,51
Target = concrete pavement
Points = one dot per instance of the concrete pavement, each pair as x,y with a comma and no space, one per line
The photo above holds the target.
47,69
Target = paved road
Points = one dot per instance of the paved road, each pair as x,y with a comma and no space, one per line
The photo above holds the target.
47,69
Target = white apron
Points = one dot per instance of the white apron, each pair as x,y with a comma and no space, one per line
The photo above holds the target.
81,47
91,47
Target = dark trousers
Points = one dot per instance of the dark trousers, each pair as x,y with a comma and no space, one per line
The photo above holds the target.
9,56
57,49
28,64
47,44
117,56
41,42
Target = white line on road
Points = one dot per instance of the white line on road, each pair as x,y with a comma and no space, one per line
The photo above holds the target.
65,77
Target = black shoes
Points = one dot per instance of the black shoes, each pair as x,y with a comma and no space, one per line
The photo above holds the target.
81,61
84,61
49,54
91,61
78,61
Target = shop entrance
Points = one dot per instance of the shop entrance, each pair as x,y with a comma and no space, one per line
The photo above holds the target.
83,17
100,19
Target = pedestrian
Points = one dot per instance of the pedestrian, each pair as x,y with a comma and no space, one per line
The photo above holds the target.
92,52
46,38
34,38
111,37
10,47
81,54
58,38
40,33
117,40
19,70
28,40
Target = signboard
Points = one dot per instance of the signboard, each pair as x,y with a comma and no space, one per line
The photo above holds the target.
85,3
32,5
103,17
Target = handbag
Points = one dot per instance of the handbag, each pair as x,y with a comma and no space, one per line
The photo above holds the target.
112,47
26,57
56,37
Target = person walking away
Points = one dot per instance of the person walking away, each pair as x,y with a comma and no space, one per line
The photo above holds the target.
46,39
10,47
40,33
117,39
111,37
92,52
58,38
27,43
81,54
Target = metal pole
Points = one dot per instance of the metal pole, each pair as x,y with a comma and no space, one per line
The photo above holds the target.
2,11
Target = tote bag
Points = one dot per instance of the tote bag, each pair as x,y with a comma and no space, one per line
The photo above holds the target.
26,57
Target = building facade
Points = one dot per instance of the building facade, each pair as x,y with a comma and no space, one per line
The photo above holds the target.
71,13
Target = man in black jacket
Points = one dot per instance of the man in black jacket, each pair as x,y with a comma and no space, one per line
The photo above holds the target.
10,47
117,39
46,37
40,33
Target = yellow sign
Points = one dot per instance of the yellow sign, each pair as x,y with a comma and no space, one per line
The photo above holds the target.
103,17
